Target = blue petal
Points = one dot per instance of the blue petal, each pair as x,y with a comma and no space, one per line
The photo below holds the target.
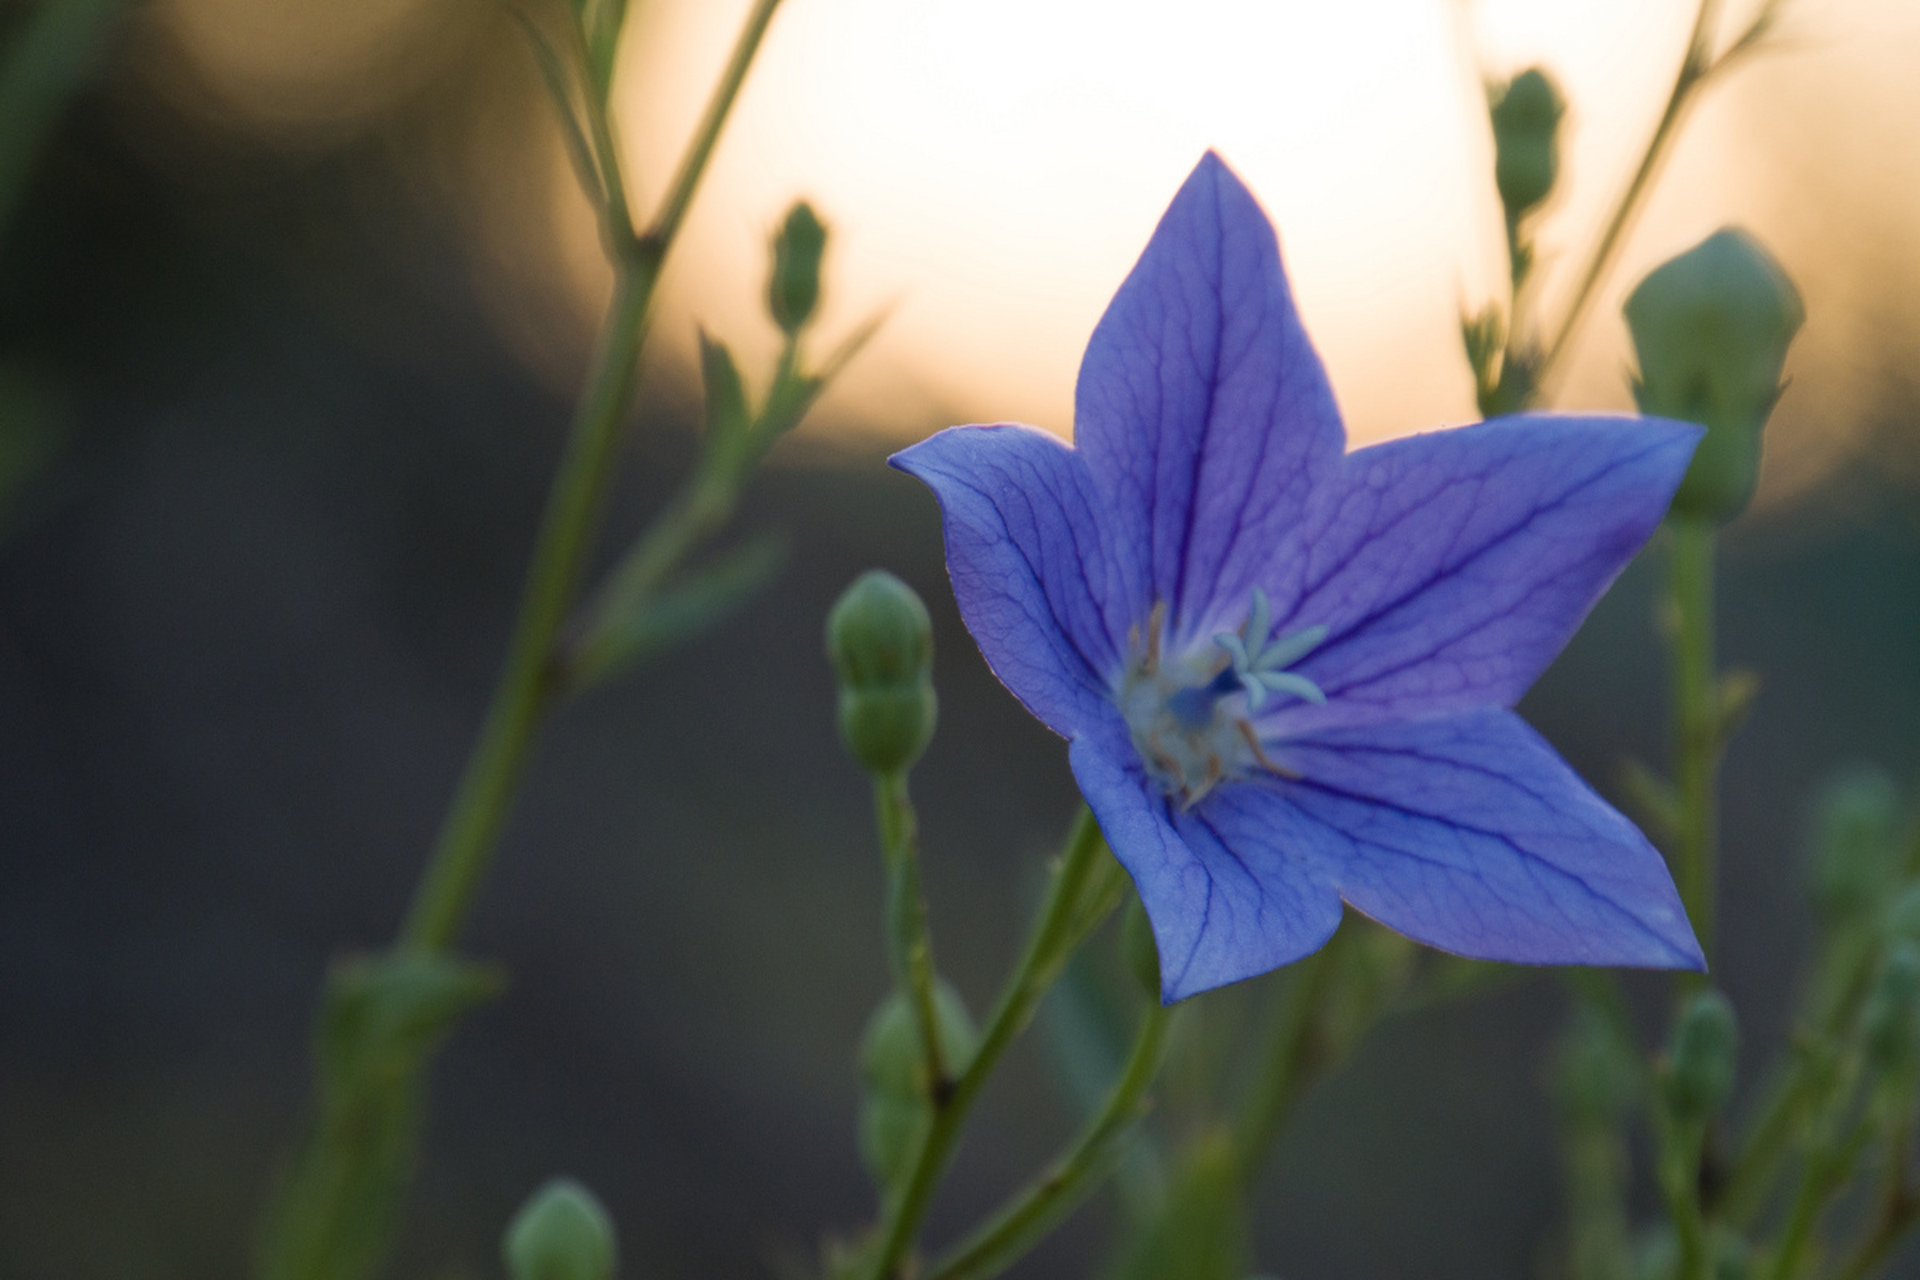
1201,408
1450,568
1469,834
1226,885
1044,589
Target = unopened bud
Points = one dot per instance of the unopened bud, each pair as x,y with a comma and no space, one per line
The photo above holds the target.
1711,329
894,1101
1856,843
1526,115
794,289
1701,1064
561,1233
881,642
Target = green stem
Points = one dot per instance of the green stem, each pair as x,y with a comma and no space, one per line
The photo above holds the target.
1838,994
686,179
1059,1189
1059,929
1696,718
909,941
1695,67
529,680
1295,1051
472,826
1680,1147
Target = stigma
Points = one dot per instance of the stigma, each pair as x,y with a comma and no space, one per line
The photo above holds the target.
1190,714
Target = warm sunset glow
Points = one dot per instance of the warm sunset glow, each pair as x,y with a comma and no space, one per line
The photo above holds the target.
993,167
990,169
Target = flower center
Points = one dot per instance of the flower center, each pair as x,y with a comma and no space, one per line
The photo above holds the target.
1188,713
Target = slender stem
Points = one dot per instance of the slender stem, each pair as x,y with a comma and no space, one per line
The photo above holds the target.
1838,995
472,825
1679,1173
1696,718
1063,1185
1055,934
686,179
909,941
529,680
1767,1143
1695,66
1294,1051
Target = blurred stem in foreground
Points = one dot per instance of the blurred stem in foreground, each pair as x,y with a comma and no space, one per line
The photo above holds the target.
1057,1190
1086,886
1698,740
339,1188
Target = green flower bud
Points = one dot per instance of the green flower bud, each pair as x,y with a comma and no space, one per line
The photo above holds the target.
881,642
1701,1063
794,289
1526,115
1890,1020
561,1233
1711,330
1856,843
893,1102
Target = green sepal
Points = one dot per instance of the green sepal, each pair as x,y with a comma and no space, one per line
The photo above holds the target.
728,420
562,1232
381,1019
1711,329
895,1102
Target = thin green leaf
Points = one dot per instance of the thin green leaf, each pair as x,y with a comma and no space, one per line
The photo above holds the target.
727,415
645,627
380,1021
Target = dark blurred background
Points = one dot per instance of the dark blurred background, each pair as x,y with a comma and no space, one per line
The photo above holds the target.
270,465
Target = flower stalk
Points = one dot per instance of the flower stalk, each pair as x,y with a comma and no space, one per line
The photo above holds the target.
1698,729
1033,1211
1086,876
910,943
359,1198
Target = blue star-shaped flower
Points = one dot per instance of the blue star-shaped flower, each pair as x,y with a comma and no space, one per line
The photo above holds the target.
1286,670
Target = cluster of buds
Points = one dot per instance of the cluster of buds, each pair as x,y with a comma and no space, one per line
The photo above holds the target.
880,640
